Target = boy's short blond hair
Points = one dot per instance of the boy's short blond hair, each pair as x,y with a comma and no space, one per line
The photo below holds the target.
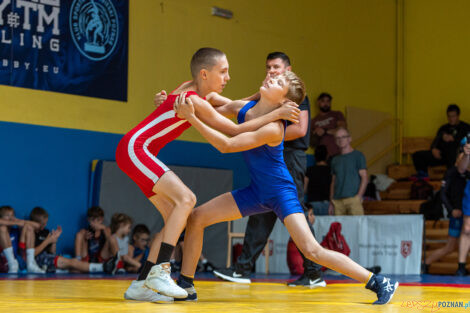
296,90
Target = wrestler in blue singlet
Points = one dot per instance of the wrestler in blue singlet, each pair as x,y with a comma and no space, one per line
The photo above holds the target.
271,187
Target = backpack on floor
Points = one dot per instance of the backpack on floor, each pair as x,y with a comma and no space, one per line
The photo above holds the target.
432,209
295,262
421,190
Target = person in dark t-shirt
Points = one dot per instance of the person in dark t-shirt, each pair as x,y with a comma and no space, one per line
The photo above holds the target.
445,145
325,124
318,181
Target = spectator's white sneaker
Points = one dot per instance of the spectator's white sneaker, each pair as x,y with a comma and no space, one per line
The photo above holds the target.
13,267
137,291
33,268
159,280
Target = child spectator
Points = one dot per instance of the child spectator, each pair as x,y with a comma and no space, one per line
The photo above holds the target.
139,249
45,241
12,239
120,228
94,243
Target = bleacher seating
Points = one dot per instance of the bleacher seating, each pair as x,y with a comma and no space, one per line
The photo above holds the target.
396,200
392,207
401,190
435,238
410,146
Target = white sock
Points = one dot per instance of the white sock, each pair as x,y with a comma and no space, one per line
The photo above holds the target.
8,252
96,267
30,255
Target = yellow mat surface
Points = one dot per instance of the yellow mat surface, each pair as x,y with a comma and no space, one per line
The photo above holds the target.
215,296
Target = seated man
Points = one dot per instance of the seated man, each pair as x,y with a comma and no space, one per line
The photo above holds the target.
445,146
271,189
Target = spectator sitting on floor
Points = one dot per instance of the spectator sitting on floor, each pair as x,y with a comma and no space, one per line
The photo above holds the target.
325,124
445,145
13,232
120,228
318,181
94,243
44,248
349,177
139,249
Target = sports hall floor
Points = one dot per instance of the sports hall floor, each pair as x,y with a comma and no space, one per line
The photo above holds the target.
100,293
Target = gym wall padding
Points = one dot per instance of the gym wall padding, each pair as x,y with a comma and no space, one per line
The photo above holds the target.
119,194
50,167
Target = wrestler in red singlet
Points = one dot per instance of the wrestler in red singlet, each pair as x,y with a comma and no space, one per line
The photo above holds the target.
136,154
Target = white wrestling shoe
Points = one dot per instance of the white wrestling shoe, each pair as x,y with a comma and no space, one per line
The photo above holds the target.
33,268
159,280
137,291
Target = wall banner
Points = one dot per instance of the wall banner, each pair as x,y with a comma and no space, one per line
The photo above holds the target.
70,46
393,242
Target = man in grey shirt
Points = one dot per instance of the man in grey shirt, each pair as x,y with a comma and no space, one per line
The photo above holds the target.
349,177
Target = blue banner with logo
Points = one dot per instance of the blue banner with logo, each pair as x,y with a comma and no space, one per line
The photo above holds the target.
70,46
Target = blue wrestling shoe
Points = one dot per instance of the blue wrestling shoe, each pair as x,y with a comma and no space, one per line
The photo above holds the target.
384,288
192,295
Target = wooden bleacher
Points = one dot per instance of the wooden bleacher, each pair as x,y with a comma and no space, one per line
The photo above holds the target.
392,207
401,190
411,145
435,238
396,200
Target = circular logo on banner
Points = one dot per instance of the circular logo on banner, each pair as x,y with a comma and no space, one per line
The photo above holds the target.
94,27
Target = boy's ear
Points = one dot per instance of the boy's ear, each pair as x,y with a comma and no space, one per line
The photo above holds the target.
203,74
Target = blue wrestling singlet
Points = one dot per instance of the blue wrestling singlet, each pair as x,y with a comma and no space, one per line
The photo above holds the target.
271,187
